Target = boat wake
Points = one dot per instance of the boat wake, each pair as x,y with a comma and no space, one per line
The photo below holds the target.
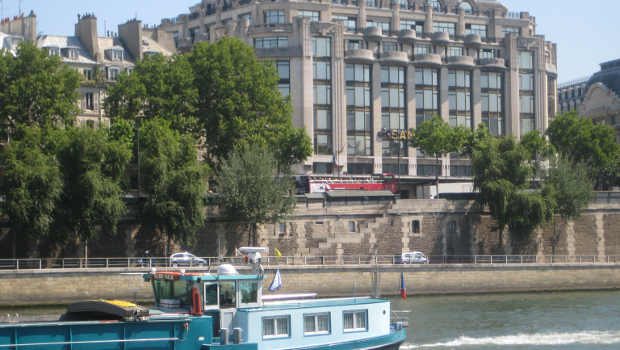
541,339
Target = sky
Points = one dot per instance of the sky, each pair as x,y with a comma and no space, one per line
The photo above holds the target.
586,31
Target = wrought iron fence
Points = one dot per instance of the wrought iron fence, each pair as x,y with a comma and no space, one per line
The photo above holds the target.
211,262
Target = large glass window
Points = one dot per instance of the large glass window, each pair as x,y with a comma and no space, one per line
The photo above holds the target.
480,29
459,94
316,324
455,51
436,4
393,111
421,49
313,15
526,60
492,101
384,24
527,92
271,42
446,27
178,290
509,30
276,327
355,320
274,17
321,47
321,72
389,46
284,84
350,22
406,24
466,6
427,94
359,109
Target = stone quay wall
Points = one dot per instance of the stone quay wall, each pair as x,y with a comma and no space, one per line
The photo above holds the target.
446,227
61,287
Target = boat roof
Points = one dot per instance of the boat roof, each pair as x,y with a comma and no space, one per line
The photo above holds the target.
314,303
200,276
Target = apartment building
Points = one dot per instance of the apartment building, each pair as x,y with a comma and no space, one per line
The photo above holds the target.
571,95
360,73
101,60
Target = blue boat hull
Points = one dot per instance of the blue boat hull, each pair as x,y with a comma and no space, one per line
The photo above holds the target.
173,334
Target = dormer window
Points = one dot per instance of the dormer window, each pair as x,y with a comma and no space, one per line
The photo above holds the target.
150,53
115,54
69,52
53,50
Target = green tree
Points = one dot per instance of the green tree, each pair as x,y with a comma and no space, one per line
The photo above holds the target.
158,87
582,141
570,188
36,89
435,137
173,181
239,102
538,150
92,166
249,192
30,185
501,170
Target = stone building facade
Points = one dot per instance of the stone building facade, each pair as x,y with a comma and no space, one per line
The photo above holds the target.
571,95
101,60
602,97
357,70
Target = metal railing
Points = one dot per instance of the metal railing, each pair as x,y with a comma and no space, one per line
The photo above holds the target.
209,262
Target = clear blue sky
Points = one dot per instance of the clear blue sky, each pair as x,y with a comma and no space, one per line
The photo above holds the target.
586,31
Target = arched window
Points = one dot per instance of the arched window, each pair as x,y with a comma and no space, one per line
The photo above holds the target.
466,6
435,4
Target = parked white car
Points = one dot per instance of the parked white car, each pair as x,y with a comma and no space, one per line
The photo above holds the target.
186,259
413,258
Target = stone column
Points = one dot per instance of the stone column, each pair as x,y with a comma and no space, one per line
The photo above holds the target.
444,101
460,26
411,115
428,22
339,108
511,88
376,117
475,92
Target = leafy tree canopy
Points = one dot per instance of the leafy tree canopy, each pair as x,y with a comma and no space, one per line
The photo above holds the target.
249,191
158,87
91,165
582,141
30,185
36,89
173,181
239,102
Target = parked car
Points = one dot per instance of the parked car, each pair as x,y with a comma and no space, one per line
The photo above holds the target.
413,258
186,259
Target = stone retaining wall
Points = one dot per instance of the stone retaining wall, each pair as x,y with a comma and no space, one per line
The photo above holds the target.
61,287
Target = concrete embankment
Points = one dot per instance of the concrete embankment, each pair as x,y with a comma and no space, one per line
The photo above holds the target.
64,286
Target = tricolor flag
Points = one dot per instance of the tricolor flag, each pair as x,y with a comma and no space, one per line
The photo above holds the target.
276,283
403,291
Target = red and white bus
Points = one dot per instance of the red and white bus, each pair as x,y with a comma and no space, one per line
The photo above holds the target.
322,184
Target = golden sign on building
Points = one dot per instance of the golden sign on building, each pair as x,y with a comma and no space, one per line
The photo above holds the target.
397,134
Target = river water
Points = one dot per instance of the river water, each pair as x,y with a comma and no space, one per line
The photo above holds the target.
580,320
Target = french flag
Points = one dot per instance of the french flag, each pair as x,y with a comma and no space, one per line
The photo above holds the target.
403,291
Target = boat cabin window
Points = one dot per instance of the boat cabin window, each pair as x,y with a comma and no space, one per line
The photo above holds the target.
276,327
248,291
178,291
228,293
355,320
211,296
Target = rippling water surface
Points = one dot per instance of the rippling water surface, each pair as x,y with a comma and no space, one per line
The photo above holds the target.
574,321
584,320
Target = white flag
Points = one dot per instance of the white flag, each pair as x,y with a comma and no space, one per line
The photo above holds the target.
276,283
